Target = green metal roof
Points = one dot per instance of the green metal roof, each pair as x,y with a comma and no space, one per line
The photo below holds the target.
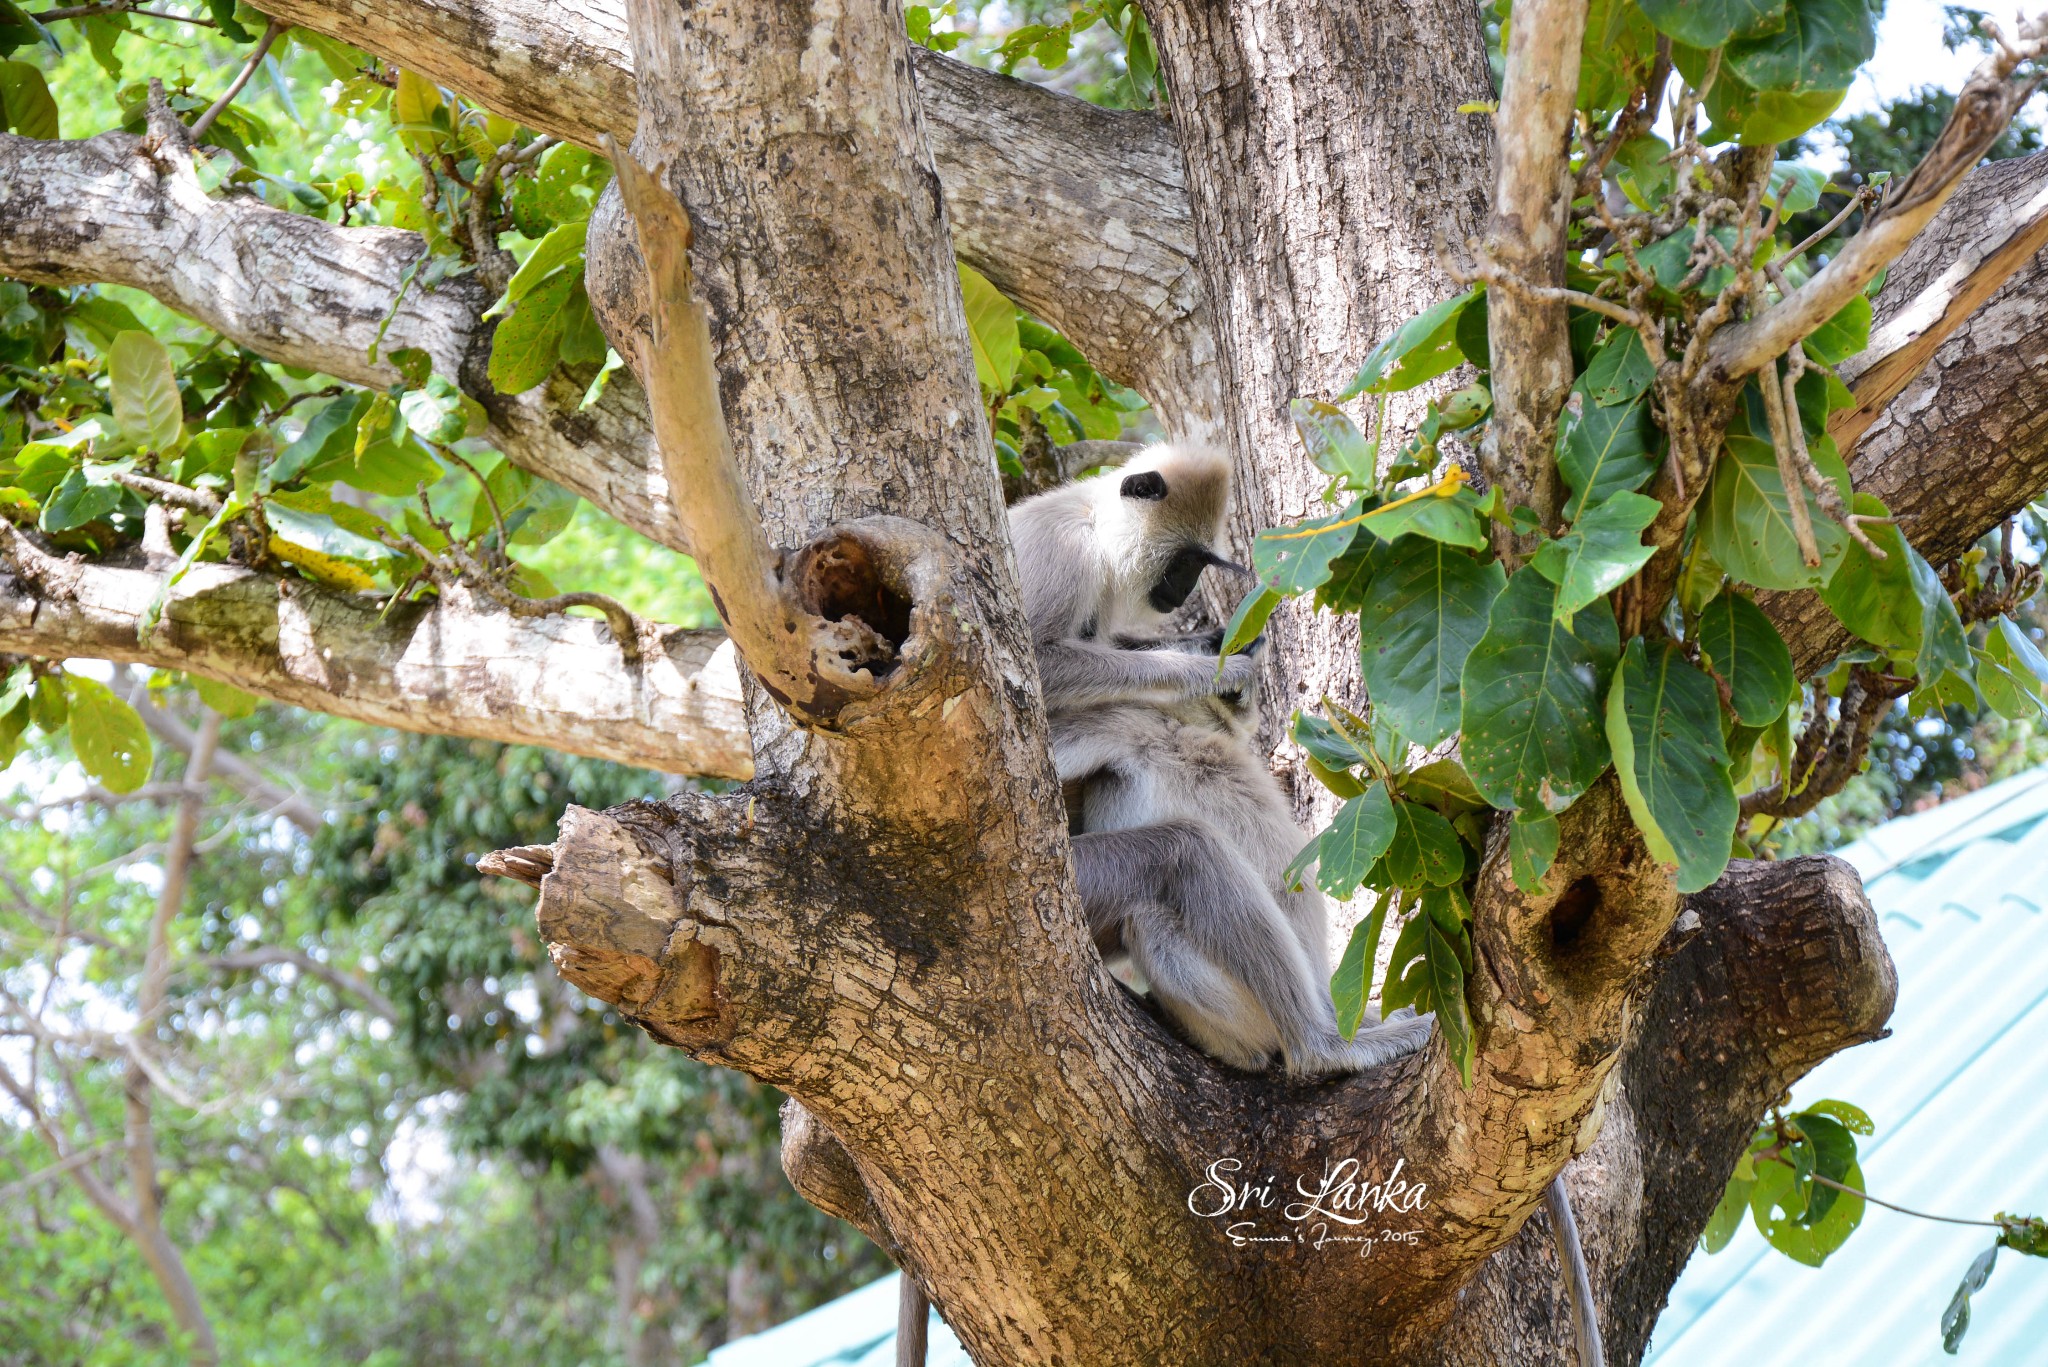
1959,1094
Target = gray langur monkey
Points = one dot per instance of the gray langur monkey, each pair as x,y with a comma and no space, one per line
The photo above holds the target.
1182,833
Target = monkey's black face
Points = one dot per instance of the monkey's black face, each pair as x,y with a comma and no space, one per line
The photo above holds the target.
1182,573
1149,485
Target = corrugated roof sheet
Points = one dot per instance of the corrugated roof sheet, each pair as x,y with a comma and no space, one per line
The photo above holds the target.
1959,1095
857,1330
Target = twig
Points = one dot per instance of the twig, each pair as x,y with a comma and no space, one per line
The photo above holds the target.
51,16
1903,1210
1788,470
166,492
213,111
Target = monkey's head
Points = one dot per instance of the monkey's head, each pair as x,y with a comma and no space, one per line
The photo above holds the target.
1159,520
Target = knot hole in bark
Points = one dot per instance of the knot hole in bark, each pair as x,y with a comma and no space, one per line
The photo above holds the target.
838,578
1573,911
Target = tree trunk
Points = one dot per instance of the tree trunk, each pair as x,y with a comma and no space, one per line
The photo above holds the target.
883,924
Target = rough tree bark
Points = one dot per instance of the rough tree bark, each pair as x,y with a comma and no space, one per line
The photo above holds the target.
883,923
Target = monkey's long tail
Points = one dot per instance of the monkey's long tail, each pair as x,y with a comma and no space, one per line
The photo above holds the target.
1571,1261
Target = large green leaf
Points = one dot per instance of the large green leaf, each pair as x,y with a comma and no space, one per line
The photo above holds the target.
1427,609
1875,598
1664,722
328,439
1294,560
992,326
1605,449
145,391
1249,620
1532,688
1602,550
1334,442
1741,645
1620,371
1425,851
26,101
1728,1215
562,245
1746,521
1843,335
86,494
1820,47
1709,23
1447,993
1944,648
1440,517
1421,349
1776,1204
1351,984
1755,118
526,345
108,737
1355,840
1616,54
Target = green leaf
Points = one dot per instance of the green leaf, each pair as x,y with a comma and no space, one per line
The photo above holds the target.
1328,745
1727,1216
1746,523
1425,850
1425,612
2011,672
1334,442
49,705
1644,175
1955,1321
1604,450
1602,551
992,326
1407,968
145,391
1851,1118
108,737
1437,517
329,436
1355,840
1421,349
1532,688
413,363
562,245
1532,849
16,686
1294,560
1775,1203
393,468
1797,188
1834,1153
85,495
1664,723
1843,335
223,12
321,532
1444,785
526,345
1755,118
1709,23
441,413
1249,620
1820,47
1351,984
1876,599
226,699
1615,55
1620,371
1741,645
1447,991
1944,648
26,101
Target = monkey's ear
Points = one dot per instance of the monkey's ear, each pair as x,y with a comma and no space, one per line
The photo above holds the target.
1149,485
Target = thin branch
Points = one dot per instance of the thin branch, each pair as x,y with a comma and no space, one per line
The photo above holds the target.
213,111
1571,1262
164,491
249,960
1903,1210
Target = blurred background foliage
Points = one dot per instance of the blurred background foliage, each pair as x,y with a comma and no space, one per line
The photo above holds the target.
385,1132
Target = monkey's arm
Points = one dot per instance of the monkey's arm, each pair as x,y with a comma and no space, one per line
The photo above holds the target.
1078,674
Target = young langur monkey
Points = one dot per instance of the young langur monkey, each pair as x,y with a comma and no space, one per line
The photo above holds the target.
1182,832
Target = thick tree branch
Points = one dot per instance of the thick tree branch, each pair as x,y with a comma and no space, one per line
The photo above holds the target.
1532,359
296,290
454,666
1078,213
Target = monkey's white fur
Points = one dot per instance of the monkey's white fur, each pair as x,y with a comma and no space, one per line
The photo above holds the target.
1182,832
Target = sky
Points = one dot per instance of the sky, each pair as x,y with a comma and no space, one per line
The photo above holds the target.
1910,55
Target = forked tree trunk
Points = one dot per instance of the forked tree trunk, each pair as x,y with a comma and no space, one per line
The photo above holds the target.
883,924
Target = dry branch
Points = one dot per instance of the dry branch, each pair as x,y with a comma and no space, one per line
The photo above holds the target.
455,666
